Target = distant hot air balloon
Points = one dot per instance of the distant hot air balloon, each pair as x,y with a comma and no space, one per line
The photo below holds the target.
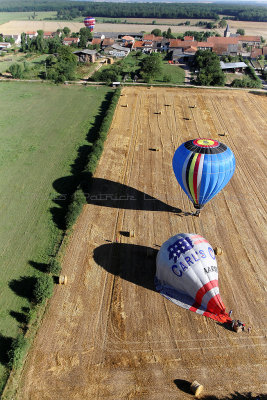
89,22
187,274
202,168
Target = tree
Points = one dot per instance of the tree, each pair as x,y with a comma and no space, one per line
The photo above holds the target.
16,70
84,35
43,288
66,30
9,40
169,34
63,66
208,65
151,66
222,23
240,31
23,46
41,43
156,32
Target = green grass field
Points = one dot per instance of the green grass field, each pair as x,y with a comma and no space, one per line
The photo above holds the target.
33,62
25,16
41,128
173,73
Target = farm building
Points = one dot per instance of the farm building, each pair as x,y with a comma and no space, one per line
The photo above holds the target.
117,51
86,55
17,38
4,45
182,56
233,67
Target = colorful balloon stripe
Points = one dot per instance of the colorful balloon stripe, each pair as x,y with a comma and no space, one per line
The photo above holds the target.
202,168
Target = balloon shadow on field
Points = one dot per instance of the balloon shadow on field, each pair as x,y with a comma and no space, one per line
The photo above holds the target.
131,262
106,193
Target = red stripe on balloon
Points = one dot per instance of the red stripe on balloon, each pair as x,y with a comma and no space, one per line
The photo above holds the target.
215,305
202,291
195,176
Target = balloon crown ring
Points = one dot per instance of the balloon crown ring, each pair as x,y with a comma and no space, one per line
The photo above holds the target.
206,142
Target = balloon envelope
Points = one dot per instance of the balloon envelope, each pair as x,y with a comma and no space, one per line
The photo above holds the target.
202,168
187,274
89,22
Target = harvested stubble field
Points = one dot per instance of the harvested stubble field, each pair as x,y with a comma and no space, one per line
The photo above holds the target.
250,27
108,334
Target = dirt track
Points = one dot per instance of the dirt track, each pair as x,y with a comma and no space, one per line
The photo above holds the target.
108,334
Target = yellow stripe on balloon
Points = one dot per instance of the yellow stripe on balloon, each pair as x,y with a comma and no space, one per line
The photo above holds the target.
191,177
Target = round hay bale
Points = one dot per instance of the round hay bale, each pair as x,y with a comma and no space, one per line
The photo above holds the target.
62,279
196,388
218,251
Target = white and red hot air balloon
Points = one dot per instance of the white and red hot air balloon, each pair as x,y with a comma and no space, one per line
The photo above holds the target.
89,22
187,274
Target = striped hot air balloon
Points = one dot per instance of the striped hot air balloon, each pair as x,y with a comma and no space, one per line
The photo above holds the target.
187,274
89,22
202,168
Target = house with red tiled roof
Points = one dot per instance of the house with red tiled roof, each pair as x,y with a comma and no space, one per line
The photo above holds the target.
190,38
49,35
181,44
151,37
257,52
96,41
205,46
147,46
249,40
31,34
224,45
70,41
222,40
190,49
107,42
175,43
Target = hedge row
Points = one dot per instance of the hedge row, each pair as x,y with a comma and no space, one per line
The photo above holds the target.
79,196
249,81
43,284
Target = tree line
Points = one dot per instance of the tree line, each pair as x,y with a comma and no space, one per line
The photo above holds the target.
73,9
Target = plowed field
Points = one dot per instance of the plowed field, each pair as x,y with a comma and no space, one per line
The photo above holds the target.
108,334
